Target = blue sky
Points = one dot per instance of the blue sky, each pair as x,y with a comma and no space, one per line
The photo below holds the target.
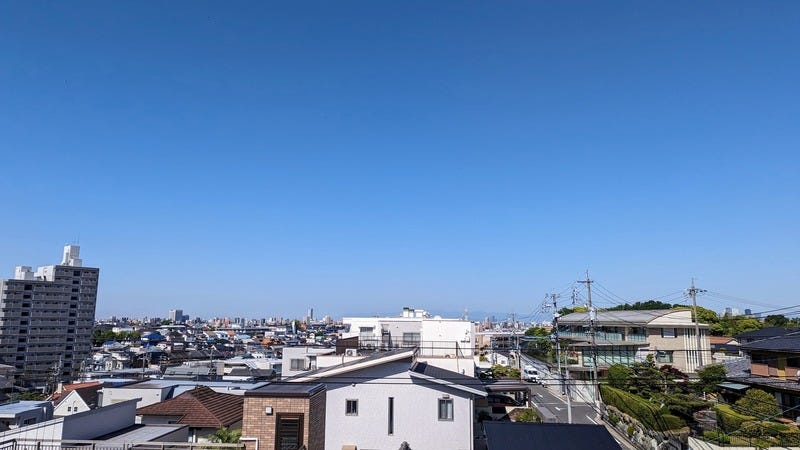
255,158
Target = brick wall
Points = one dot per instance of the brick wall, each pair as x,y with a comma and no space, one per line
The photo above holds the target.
257,424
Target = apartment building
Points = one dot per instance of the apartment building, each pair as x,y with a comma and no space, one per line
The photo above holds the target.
46,319
623,337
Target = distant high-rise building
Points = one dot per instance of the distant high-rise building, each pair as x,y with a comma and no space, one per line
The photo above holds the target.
748,312
176,315
46,319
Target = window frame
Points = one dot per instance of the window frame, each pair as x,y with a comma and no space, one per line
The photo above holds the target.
348,411
449,415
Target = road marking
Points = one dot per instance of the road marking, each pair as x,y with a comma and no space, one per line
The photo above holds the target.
557,408
590,419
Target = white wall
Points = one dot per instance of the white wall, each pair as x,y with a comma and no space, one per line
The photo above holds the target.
147,396
74,402
415,412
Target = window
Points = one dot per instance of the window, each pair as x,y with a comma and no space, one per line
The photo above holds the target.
298,364
669,332
445,409
664,357
351,407
411,339
391,416
289,432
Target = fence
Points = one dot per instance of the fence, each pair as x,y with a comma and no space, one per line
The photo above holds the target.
24,444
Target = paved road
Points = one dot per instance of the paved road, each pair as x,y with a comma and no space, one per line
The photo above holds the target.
581,412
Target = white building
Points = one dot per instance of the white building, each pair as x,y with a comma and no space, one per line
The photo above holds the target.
388,398
446,343
46,318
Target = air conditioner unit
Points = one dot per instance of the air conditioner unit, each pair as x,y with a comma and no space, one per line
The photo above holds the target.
351,352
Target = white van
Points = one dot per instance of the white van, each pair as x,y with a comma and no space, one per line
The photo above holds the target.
530,374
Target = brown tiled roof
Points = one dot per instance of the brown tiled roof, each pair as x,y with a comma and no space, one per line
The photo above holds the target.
85,390
199,408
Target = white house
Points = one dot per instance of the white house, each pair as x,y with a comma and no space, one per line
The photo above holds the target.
387,398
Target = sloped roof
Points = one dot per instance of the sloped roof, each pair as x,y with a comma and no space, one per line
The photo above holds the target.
425,371
550,436
765,333
374,359
87,391
787,343
199,408
618,317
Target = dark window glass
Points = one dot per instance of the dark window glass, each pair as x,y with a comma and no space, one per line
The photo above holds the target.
289,433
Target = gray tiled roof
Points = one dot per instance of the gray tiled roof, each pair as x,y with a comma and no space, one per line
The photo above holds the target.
622,317
787,343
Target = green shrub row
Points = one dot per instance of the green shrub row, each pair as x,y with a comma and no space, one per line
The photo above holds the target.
730,420
645,412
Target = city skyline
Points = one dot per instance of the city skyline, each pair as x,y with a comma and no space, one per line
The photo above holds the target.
361,157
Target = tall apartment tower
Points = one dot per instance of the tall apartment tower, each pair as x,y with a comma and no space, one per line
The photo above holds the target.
46,319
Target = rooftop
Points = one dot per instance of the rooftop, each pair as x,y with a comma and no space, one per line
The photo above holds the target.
286,390
789,342
550,436
200,407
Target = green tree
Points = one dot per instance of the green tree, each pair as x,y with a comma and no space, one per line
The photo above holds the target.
619,376
226,436
30,395
537,331
527,415
710,377
759,404
565,311
639,306
501,371
776,320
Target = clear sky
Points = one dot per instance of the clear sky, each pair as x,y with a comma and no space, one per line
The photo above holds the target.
258,158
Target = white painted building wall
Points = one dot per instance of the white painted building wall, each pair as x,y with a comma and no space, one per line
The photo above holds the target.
71,404
146,396
415,412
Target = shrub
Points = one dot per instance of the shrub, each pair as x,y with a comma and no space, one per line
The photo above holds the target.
730,420
758,403
528,415
717,436
710,377
650,415
619,376
790,439
631,429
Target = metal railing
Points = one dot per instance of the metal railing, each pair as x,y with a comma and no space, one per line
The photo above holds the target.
26,444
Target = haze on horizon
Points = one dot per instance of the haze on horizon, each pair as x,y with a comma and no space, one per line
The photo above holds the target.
256,159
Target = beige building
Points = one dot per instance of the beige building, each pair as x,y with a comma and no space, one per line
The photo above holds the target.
623,337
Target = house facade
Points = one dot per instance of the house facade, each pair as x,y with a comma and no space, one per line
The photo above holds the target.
624,337
388,398
774,368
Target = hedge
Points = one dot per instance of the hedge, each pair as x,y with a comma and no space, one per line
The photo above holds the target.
645,412
729,420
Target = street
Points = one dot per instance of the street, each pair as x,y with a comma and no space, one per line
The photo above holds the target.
581,412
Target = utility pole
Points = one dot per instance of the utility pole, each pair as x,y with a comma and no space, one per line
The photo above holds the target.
592,332
554,305
693,293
